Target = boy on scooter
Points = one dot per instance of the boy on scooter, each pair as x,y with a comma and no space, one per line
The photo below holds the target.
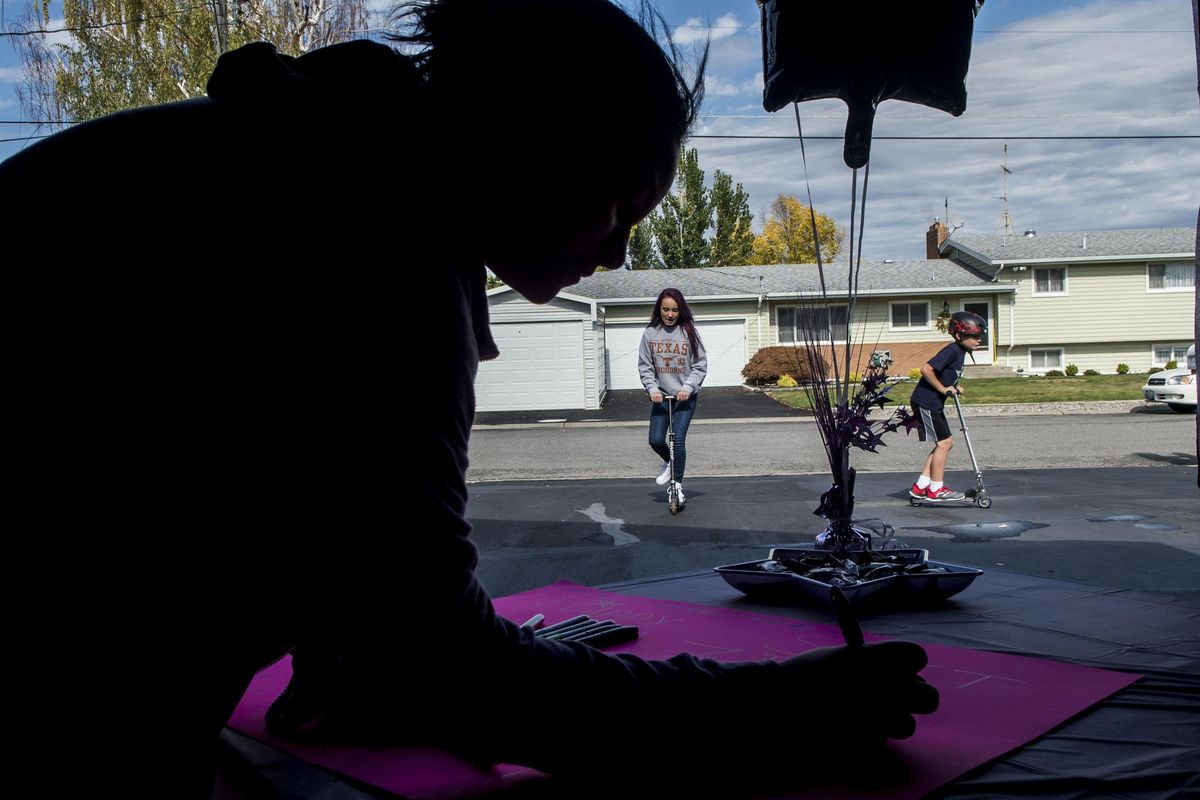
939,379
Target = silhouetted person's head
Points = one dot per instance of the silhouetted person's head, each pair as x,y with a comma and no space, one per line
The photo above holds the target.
566,117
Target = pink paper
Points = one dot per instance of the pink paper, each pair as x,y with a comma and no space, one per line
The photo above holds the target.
991,703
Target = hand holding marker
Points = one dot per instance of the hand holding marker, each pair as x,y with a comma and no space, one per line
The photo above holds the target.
583,629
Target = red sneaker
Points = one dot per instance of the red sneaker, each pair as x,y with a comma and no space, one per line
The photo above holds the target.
945,493
917,491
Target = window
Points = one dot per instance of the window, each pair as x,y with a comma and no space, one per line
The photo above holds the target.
1170,352
1052,280
793,320
910,315
1046,359
1170,277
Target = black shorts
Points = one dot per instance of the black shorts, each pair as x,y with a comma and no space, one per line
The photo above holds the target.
933,425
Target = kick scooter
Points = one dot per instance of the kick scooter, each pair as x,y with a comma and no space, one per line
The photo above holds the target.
675,500
979,495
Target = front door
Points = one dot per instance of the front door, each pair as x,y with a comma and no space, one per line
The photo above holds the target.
983,308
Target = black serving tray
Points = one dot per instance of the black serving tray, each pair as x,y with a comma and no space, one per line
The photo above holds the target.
898,589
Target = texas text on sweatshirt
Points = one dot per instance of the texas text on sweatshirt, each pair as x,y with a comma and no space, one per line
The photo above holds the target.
666,361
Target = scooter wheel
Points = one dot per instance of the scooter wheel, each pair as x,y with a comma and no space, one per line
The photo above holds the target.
983,501
914,502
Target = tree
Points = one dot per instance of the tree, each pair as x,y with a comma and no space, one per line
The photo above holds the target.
641,247
126,53
683,217
733,240
787,236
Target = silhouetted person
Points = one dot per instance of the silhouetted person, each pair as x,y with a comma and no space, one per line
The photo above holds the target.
259,311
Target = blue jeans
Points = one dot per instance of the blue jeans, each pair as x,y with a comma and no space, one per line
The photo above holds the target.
658,431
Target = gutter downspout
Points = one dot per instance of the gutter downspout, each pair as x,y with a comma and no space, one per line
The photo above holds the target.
1008,354
758,320
1012,331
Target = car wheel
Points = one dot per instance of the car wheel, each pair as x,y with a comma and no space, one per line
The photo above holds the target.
1180,408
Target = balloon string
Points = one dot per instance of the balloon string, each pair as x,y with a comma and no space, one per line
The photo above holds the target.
812,215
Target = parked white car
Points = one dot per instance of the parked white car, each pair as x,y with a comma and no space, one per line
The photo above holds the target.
1175,387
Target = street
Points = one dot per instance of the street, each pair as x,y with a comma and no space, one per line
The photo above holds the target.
790,446
1109,500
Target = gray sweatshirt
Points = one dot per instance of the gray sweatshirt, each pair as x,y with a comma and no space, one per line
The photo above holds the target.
666,361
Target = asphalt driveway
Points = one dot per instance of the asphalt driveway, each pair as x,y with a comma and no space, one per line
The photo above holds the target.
632,405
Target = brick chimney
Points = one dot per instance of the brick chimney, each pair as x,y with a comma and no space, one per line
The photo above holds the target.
934,237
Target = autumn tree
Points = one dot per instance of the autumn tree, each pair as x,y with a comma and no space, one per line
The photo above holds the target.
787,236
126,53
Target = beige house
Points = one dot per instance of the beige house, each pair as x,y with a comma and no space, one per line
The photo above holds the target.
1050,301
1094,299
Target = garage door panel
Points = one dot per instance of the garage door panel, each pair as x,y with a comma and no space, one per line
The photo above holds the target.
540,366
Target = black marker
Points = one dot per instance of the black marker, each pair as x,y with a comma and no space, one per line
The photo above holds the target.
592,631
563,624
610,636
569,630
844,613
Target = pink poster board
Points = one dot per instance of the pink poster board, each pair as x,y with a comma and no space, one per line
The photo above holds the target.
991,702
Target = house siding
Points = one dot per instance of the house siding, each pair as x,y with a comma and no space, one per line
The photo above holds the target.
911,347
595,382
512,307
1100,356
1112,299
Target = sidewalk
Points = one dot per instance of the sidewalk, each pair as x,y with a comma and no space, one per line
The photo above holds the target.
738,404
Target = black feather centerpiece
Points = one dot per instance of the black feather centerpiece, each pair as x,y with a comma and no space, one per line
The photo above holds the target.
842,403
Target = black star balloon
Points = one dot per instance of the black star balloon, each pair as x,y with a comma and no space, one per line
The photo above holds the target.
865,53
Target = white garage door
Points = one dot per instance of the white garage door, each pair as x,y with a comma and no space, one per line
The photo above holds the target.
540,366
724,340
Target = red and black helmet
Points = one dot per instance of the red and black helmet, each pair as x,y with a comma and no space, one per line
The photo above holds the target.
966,323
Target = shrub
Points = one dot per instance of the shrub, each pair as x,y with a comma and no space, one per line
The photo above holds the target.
1090,372
1122,369
914,374
1054,373
1171,365
769,364
787,381
1072,370
1154,370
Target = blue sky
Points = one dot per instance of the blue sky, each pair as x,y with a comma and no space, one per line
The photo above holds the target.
1038,67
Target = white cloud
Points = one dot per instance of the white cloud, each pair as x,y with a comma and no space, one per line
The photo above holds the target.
695,30
10,73
1072,78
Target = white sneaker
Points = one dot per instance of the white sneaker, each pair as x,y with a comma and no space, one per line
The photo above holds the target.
664,475
682,496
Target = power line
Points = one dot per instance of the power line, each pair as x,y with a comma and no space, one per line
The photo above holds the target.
173,12
836,138
98,26
946,138
757,28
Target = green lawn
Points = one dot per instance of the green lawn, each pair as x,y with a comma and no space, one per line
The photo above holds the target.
1016,390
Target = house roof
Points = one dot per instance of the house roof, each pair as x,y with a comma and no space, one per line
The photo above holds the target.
1070,246
786,280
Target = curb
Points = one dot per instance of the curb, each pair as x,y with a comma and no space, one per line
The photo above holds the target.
983,410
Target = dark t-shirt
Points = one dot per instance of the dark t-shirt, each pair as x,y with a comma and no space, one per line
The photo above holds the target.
948,366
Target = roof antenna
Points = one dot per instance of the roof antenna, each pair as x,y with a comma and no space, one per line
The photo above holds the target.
1005,220
951,225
